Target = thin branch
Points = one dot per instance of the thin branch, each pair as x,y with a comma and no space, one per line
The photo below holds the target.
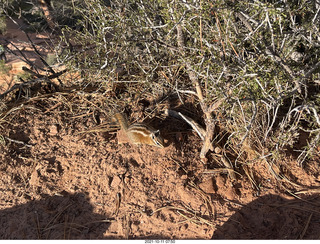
198,128
312,70
26,84
41,58
279,60
209,121
24,57
55,75
18,142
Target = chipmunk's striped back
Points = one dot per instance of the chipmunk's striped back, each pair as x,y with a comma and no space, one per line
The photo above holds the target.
140,133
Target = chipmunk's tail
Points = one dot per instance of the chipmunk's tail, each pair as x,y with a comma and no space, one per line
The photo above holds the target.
121,119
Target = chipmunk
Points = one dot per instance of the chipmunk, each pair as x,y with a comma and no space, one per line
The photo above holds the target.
140,133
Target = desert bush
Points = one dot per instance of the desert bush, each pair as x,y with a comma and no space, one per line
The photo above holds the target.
260,57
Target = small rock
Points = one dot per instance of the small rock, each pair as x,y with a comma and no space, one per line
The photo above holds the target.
115,182
217,150
53,130
184,177
34,178
207,186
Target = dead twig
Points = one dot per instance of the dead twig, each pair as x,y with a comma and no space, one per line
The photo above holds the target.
279,60
27,84
209,121
48,16
306,227
118,201
41,58
53,76
198,128
18,142
23,57
309,191
228,165
184,212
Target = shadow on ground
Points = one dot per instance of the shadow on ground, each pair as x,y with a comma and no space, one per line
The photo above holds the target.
55,217
71,217
273,217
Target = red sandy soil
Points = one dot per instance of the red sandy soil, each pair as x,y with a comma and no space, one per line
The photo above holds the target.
60,183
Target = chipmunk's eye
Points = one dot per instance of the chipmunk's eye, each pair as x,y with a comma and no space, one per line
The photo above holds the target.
157,133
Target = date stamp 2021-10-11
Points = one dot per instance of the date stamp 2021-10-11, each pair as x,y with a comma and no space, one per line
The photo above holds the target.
160,241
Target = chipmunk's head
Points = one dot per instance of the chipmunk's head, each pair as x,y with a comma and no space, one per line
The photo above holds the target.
157,139
143,134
